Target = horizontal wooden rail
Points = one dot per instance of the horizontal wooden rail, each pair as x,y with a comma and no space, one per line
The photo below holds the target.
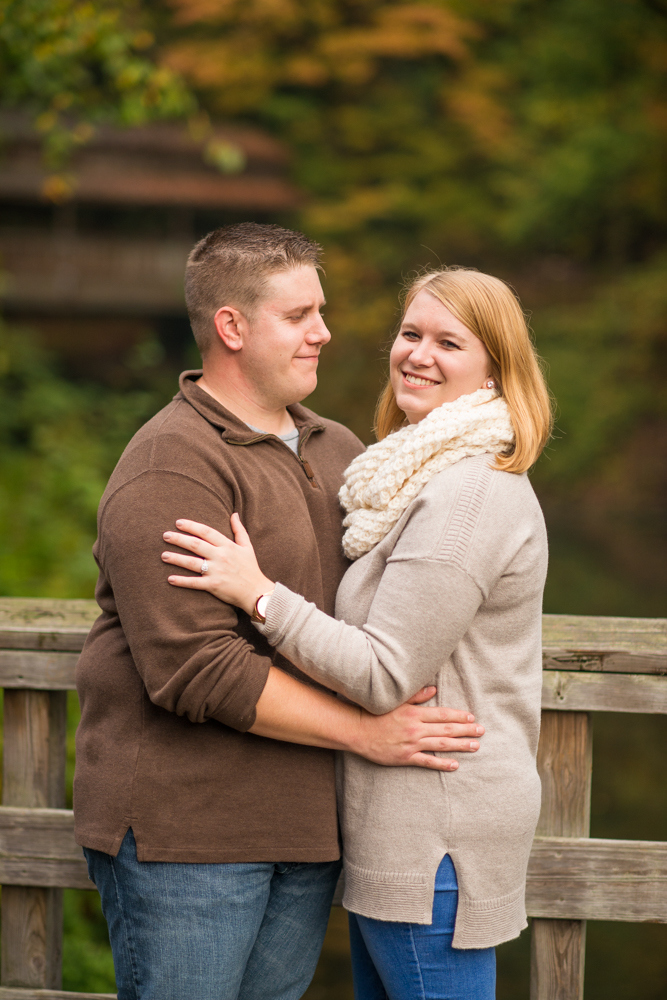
37,847
40,671
15,993
45,623
47,873
42,833
625,645
612,645
564,690
581,878
574,878
569,690
40,640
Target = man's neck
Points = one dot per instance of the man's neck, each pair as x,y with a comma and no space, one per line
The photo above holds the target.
244,406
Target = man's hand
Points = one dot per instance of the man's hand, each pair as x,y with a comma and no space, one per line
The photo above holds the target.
291,711
406,735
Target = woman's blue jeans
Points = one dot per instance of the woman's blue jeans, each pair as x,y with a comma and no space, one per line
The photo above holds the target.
212,931
396,961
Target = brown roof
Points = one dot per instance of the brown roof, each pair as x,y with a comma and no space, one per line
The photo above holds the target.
157,164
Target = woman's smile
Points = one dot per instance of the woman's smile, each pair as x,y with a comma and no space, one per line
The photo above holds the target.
419,381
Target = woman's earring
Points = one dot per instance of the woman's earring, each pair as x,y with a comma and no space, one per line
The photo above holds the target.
489,384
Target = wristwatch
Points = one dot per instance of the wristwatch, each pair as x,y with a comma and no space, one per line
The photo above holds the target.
259,611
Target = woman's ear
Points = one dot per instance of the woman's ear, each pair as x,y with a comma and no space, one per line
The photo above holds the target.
230,325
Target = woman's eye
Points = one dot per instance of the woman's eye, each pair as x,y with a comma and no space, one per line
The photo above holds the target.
449,343
410,335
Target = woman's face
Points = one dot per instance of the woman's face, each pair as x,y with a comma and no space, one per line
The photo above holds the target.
435,359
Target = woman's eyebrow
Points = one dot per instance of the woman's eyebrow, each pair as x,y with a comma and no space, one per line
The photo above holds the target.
456,338
450,335
439,335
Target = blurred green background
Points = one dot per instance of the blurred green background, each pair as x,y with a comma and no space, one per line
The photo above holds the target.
527,138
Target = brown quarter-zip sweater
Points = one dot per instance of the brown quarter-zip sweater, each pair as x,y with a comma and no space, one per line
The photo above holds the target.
169,678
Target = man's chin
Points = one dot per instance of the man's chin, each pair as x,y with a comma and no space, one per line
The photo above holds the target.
300,391
306,387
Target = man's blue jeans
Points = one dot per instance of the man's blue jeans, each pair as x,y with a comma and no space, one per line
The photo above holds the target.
396,961
249,931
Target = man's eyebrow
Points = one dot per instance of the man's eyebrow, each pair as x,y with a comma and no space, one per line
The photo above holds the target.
304,306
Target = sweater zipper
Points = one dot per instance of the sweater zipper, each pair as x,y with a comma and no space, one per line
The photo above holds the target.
304,463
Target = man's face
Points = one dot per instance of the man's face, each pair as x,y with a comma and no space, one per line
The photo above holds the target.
286,333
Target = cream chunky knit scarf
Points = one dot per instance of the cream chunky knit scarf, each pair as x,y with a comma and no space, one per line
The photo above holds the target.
385,479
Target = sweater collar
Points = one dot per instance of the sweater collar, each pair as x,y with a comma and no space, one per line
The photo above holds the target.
232,427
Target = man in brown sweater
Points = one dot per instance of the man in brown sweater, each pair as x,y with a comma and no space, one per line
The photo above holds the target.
204,788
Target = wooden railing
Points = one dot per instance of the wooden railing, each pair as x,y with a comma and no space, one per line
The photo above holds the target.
590,664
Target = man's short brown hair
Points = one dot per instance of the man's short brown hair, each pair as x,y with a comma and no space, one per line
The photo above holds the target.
231,266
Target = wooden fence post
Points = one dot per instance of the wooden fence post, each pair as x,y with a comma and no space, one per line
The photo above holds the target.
33,776
565,760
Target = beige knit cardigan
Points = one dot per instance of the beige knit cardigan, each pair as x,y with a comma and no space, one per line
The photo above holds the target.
452,595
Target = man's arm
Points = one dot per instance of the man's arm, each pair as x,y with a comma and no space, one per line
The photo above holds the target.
191,657
288,710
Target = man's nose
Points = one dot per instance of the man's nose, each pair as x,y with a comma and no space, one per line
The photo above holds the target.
318,332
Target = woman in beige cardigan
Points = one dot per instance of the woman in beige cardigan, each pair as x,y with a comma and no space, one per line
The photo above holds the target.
450,555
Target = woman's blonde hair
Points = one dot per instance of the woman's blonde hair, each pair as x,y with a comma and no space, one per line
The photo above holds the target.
490,310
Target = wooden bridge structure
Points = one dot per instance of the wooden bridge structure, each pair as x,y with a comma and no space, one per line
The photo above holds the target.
590,665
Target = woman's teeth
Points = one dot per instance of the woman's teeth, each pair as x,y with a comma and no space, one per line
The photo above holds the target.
415,380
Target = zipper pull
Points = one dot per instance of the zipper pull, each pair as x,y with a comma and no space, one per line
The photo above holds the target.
309,472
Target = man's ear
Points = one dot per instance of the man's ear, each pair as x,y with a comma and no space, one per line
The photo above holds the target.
231,326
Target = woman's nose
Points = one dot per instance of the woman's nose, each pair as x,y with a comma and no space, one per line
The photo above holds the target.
421,355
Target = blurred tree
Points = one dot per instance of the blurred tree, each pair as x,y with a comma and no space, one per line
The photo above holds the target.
72,66
523,137
59,443
603,480
539,126
77,64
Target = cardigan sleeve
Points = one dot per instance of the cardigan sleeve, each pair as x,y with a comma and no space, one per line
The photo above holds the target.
422,609
423,606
